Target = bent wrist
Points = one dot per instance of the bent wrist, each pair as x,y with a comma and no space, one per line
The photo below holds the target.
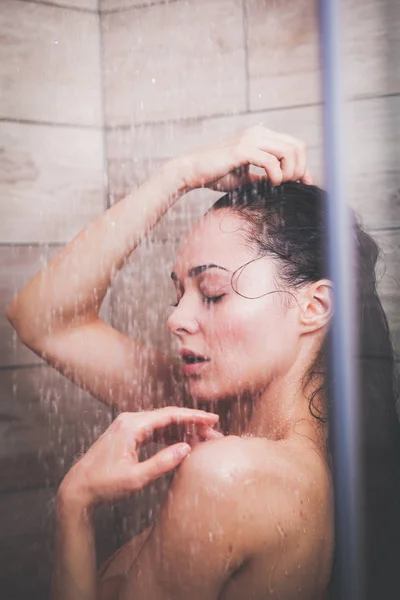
73,500
179,172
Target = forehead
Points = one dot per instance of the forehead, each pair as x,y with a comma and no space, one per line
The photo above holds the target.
216,238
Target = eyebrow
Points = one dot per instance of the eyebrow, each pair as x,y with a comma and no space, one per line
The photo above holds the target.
194,271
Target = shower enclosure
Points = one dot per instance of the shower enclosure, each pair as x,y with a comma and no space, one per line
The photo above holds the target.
96,95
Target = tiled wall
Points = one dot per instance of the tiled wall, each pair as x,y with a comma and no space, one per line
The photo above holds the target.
51,185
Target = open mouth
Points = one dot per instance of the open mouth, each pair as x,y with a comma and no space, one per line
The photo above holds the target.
193,359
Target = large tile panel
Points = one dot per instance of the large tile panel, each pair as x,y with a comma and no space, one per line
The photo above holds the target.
51,181
283,53
45,422
388,277
18,264
142,293
372,155
372,139
49,64
173,61
371,43
284,50
27,542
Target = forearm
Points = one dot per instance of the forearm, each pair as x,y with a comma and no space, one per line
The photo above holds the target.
74,569
70,289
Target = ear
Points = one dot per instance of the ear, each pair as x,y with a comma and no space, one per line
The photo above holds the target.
317,306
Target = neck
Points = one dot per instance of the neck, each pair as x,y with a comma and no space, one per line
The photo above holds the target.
279,412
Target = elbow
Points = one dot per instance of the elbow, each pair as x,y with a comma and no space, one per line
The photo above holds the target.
23,326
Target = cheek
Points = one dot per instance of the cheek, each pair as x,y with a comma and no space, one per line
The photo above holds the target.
255,331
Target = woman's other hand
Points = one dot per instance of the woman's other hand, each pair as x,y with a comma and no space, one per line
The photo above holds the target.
225,165
111,470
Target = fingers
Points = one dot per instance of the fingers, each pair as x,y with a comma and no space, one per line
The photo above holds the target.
144,424
158,465
283,157
307,178
192,433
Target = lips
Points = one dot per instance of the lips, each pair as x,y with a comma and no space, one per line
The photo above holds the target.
193,363
190,357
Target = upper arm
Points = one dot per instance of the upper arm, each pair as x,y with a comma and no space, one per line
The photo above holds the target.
216,518
120,371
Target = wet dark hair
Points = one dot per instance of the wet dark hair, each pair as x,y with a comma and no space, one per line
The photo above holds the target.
288,223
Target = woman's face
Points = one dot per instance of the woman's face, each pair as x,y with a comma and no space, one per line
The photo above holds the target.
247,341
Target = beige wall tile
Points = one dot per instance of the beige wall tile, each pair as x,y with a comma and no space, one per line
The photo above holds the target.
142,294
27,537
45,422
49,64
283,53
18,264
372,137
388,277
51,181
371,43
173,61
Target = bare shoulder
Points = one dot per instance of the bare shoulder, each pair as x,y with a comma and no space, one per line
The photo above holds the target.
232,511
234,460
268,482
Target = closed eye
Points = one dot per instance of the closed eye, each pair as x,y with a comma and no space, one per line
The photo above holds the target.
206,299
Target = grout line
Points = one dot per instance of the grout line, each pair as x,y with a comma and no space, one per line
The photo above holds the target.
246,54
49,123
21,488
372,97
91,11
122,9
32,245
383,228
241,113
23,366
194,120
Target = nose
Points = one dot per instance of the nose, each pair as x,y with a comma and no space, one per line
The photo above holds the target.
182,318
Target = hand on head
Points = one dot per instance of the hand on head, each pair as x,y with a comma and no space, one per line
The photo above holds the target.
226,165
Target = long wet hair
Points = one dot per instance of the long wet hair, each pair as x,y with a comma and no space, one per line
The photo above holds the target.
288,223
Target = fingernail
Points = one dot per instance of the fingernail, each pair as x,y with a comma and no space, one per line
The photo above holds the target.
182,451
213,433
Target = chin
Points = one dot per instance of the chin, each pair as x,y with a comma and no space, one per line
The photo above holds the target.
206,392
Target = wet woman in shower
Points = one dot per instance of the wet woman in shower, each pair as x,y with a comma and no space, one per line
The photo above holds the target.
249,513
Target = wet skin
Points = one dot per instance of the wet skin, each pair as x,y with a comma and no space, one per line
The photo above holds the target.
251,512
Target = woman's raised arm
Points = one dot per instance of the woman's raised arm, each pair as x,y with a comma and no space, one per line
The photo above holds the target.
57,313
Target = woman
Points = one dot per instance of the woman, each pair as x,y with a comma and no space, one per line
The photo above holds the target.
249,514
